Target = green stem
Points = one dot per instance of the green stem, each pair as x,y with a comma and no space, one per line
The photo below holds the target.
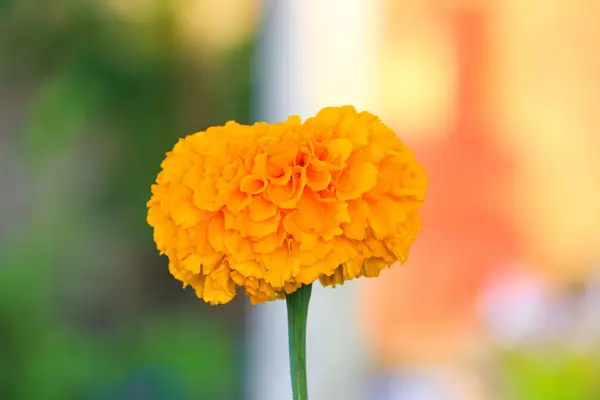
297,309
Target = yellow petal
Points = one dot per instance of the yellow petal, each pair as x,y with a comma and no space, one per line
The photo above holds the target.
308,274
356,227
262,228
268,243
356,180
353,267
379,221
210,261
281,265
261,209
309,215
184,214
253,184
317,179
239,248
192,263
198,283
339,150
219,288
216,232
373,266
237,201
249,268
260,165
320,251
280,176
287,196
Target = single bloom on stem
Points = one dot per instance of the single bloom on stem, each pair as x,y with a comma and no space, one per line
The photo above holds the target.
271,208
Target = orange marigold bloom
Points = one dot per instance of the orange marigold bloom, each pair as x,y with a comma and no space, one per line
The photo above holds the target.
271,207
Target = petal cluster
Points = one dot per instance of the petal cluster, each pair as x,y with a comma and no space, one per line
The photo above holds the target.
271,207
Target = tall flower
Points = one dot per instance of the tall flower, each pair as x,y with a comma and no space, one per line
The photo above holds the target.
274,207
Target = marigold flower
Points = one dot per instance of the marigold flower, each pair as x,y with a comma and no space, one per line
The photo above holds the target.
272,207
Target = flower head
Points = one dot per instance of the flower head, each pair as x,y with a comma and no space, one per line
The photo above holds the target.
272,207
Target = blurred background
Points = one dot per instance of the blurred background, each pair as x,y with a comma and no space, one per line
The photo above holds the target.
500,100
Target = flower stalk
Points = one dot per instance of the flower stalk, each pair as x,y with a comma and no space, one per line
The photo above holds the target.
297,310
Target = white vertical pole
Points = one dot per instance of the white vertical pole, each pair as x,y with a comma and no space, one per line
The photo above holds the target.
314,54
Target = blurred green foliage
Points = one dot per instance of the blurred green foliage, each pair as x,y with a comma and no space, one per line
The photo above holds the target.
551,374
87,308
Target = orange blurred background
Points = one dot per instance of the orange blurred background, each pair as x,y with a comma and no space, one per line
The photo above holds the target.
500,100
